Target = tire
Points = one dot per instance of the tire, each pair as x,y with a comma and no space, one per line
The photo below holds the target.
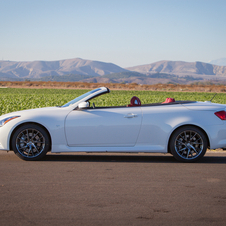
188,144
30,142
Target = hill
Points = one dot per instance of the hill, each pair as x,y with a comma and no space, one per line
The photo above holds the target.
220,62
100,72
64,78
39,69
135,77
180,68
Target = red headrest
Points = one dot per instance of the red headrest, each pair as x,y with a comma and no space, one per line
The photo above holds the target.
135,101
168,100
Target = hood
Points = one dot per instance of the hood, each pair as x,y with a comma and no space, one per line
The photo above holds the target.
36,111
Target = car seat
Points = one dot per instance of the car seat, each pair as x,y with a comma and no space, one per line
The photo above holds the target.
135,101
168,100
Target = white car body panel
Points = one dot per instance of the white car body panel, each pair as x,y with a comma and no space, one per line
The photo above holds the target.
51,118
107,127
145,128
159,122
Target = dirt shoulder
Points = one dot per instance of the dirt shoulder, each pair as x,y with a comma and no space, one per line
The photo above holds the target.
113,86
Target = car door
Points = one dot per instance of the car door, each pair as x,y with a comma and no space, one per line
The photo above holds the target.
110,127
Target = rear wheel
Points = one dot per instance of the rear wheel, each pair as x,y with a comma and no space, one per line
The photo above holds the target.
30,142
188,144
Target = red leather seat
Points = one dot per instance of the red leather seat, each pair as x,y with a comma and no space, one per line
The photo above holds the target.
135,101
168,100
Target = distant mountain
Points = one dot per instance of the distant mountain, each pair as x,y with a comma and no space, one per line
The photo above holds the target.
180,68
38,69
135,77
219,62
64,78
95,71
126,74
125,77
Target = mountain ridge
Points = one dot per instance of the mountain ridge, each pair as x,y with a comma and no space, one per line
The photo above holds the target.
219,62
38,69
180,68
78,69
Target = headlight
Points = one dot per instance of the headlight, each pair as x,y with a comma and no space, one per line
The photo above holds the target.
5,120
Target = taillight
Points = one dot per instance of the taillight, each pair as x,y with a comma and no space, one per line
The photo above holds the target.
221,115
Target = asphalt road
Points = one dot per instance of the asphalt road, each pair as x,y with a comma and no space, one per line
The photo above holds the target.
112,189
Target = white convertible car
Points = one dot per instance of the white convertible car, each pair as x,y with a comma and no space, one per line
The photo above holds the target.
183,128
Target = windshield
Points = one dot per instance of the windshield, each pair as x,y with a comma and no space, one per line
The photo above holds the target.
80,97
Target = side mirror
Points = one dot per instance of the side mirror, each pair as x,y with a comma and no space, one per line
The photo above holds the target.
83,105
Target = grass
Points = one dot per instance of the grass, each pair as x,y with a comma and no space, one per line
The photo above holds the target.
15,99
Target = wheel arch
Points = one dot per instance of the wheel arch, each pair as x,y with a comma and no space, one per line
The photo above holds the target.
27,123
208,141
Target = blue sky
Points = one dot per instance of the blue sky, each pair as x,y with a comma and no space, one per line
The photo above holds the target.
124,32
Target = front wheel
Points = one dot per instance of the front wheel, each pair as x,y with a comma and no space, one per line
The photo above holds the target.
30,142
188,144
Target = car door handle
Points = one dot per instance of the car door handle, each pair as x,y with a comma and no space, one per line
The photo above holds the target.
130,115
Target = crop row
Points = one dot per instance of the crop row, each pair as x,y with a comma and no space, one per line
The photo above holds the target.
13,99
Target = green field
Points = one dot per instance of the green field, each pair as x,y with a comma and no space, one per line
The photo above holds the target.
15,99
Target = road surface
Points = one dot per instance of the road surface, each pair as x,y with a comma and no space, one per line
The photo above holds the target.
112,189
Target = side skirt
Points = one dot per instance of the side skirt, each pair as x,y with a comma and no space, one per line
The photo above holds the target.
143,148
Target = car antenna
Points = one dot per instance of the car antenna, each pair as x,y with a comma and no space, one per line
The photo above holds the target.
213,97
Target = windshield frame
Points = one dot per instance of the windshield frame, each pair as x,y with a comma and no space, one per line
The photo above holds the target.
87,96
